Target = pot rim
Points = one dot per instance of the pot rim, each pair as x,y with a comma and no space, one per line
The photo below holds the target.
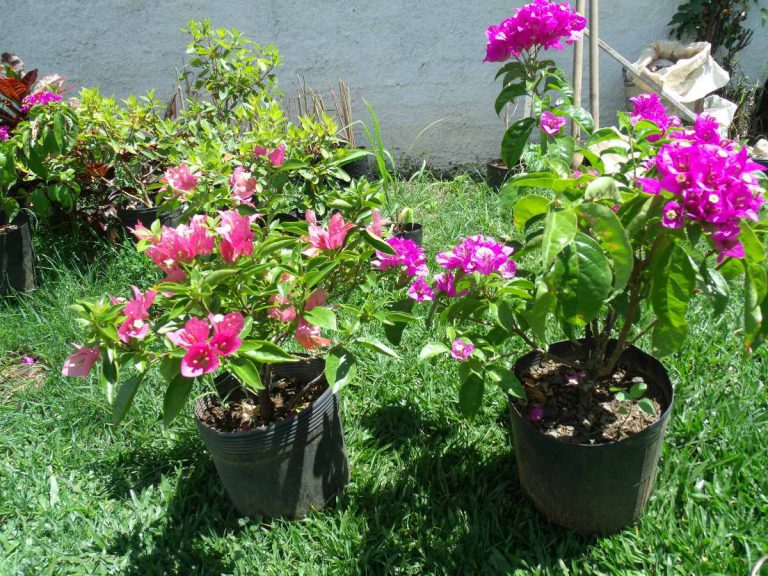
663,417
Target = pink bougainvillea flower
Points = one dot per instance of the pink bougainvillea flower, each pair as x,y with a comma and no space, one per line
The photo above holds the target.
236,235
200,359
551,124
445,282
673,215
28,360
138,306
195,331
317,298
309,336
277,156
177,245
421,291
4,134
324,240
479,254
259,151
81,362
407,254
39,99
377,224
461,350
135,326
115,300
180,179
535,414
226,343
284,312
650,107
244,185
232,322
540,24
133,329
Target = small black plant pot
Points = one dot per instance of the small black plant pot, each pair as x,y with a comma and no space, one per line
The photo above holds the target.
287,468
130,216
361,168
591,489
17,257
496,174
410,231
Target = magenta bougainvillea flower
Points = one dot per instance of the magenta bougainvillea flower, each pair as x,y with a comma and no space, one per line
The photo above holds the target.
540,24
4,134
181,179
551,124
309,336
713,180
39,99
203,351
421,291
461,350
28,360
331,239
535,414
407,254
236,235
135,325
445,282
244,185
81,362
479,254
650,107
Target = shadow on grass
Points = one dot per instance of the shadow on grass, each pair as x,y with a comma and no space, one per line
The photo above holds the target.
178,542
453,508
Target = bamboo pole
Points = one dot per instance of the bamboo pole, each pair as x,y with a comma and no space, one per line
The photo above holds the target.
578,71
594,62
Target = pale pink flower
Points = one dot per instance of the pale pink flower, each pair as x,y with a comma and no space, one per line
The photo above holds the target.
181,179
236,235
284,312
309,336
243,185
317,298
135,326
331,239
377,224
81,362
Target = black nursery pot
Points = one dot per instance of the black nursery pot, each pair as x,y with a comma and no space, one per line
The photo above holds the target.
496,174
130,216
289,467
362,167
591,489
411,231
17,257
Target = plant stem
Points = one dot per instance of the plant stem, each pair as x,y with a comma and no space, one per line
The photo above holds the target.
265,400
304,390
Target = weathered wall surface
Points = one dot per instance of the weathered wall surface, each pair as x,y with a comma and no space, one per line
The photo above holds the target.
417,62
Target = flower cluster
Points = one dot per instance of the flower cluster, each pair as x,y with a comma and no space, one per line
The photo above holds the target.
714,182
321,239
539,24
181,179
204,349
39,99
4,134
236,235
479,254
649,107
307,335
276,157
177,245
135,325
407,254
244,185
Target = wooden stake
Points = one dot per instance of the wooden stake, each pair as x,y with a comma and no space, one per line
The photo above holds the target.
594,62
578,71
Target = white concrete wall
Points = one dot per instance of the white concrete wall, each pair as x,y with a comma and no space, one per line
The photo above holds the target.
415,61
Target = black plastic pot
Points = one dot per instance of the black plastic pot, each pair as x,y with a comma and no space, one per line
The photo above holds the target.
362,167
287,468
17,257
591,489
130,216
496,174
411,231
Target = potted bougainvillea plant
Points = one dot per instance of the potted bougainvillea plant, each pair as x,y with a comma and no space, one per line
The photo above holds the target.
608,261
257,313
519,41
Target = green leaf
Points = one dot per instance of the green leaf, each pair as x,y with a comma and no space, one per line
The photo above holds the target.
583,280
321,316
314,278
603,188
124,398
529,207
755,291
646,406
542,304
394,330
377,243
716,287
377,346
754,251
546,180
515,139
506,380
265,352
613,239
559,231
176,397
110,372
218,276
508,94
170,368
673,280
581,116
471,395
340,368
247,372
635,214
433,349
638,390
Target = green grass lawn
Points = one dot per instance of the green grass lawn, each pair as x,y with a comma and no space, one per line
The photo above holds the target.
429,493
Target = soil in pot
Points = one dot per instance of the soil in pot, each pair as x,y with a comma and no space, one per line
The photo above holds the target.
561,411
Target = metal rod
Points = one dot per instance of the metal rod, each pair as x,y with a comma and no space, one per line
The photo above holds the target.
578,71
594,62
647,81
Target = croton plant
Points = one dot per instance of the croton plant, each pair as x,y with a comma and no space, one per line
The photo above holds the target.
243,290
607,256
